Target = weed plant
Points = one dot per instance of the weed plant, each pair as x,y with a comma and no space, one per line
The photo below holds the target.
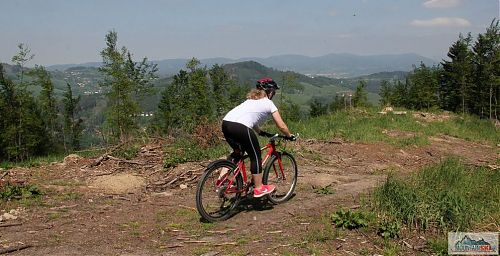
347,219
16,191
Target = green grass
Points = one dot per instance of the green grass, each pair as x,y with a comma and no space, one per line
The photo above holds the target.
449,196
438,246
188,150
368,125
323,233
45,160
33,161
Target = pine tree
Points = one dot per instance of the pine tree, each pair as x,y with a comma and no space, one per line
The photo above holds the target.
318,108
127,81
455,84
220,86
337,104
423,87
172,109
386,93
360,97
23,132
47,103
486,74
72,125
288,109
402,94
21,59
7,106
199,105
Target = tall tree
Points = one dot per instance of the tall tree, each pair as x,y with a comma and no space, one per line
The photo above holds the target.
455,83
288,109
317,107
8,106
21,59
47,103
200,104
486,81
72,125
22,131
172,109
126,80
221,84
422,92
386,93
338,103
360,96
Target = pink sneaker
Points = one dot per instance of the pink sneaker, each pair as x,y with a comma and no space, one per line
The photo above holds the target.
264,190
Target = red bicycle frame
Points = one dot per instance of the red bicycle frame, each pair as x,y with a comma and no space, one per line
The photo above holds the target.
240,168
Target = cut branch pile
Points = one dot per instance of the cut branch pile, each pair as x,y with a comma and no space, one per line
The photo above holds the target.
186,175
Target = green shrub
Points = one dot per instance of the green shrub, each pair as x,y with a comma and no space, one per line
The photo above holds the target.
347,219
10,191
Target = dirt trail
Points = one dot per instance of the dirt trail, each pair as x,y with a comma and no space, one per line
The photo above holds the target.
134,207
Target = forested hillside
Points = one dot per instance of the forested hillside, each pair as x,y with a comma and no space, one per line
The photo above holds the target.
63,110
331,65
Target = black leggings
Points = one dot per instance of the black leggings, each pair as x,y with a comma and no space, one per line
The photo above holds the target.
243,139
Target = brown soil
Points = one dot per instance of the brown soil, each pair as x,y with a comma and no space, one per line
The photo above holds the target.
135,207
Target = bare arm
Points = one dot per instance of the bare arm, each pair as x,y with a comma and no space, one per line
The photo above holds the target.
281,124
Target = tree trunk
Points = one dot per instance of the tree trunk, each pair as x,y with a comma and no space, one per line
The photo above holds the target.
491,101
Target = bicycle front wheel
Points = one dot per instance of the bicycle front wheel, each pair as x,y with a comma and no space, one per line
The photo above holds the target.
216,195
281,171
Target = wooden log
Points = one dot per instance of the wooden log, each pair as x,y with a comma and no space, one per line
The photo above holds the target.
14,248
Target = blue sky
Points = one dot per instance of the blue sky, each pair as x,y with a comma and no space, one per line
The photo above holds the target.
72,31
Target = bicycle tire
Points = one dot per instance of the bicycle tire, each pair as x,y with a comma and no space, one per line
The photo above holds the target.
284,186
211,199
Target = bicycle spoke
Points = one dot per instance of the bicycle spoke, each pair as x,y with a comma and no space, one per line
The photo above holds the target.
282,172
216,196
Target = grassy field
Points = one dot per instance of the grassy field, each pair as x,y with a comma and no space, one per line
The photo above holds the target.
450,196
400,130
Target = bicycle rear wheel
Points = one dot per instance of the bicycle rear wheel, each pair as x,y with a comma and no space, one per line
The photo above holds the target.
281,171
216,195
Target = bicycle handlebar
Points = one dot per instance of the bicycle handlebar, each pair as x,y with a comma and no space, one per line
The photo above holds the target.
279,136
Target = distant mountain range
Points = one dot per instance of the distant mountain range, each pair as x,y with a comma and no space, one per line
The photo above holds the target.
85,78
331,65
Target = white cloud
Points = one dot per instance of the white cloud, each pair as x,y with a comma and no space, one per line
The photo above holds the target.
441,3
441,22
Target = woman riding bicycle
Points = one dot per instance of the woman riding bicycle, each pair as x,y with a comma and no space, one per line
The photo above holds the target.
240,123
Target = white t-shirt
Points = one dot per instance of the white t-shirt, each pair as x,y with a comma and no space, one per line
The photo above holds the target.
251,112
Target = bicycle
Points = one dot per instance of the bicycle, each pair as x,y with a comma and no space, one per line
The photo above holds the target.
221,186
